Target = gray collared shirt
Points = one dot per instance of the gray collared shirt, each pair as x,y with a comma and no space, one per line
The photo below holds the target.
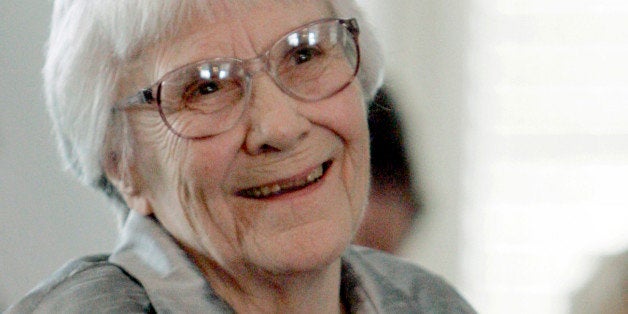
148,272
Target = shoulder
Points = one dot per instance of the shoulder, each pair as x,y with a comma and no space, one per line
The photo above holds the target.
87,285
395,283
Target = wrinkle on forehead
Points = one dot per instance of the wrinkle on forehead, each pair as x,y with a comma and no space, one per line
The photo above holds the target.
163,21
238,16
218,10
141,67
240,26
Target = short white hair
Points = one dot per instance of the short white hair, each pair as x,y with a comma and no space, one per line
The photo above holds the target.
90,44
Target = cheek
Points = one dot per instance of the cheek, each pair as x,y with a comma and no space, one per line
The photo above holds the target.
150,141
165,162
204,165
202,198
356,128
346,116
182,179
351,116
196,171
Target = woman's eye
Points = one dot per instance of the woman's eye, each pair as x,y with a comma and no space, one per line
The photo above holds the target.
197,89
304,54
206,88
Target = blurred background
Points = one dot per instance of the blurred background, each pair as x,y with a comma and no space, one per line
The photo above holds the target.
515,116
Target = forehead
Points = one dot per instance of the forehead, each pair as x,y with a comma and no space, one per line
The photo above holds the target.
241,29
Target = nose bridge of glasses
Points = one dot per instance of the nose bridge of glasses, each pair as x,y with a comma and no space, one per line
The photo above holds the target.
258,64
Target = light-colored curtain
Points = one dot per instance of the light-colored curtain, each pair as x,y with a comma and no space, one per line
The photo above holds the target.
518,112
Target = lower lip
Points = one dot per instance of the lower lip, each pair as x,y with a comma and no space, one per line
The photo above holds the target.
297,193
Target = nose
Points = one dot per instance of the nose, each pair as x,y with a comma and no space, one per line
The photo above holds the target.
276,123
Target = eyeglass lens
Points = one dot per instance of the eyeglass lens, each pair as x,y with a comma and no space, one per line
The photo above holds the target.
208,97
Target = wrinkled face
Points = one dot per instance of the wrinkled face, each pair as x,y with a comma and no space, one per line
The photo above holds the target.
314,156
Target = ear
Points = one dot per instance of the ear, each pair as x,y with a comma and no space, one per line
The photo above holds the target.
138,203
122,175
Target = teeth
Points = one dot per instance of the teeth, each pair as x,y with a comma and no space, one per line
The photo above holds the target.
317,173
267,190
276,188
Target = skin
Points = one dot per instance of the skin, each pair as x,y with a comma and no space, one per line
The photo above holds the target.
278,254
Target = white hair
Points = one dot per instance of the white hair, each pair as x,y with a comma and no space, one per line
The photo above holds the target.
91,43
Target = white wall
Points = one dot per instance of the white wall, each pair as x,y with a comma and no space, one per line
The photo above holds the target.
46,217
517,113
545,183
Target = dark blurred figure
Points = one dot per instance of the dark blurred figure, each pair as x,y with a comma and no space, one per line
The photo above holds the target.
606,292
393,205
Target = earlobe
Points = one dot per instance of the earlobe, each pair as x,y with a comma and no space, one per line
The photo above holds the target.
122,177
138,203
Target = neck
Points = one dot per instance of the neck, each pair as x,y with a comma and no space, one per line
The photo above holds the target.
313,291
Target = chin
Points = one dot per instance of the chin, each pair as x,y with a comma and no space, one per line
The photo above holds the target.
312,247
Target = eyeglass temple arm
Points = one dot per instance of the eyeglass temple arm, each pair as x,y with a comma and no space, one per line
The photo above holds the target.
351,25
145,96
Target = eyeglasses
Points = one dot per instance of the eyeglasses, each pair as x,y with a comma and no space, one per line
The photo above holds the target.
208,97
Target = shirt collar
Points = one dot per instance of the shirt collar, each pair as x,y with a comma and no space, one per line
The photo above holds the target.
173,284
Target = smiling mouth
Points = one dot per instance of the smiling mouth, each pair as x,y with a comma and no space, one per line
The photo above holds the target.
287,186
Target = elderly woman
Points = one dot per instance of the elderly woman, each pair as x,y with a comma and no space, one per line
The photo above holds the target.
233,136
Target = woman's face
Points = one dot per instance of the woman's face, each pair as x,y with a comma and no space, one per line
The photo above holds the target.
195,187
